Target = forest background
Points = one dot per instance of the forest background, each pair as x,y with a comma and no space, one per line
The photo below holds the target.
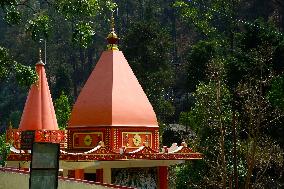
213,71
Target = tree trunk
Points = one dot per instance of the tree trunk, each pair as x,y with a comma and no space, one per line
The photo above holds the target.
235,158
74,77
222,138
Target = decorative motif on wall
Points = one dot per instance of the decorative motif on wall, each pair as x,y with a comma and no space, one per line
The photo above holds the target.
156,135
13,136
102,153
136,139
87,140
115,138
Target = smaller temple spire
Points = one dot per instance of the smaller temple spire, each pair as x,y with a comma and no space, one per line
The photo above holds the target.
112,38
39,113
40,62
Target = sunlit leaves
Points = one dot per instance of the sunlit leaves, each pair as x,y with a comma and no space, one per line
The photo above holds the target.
5,3
5,63
196,15
25,75
276,94
62,110
72,9
13,17
11,13
76,9
4,149
39,27
79,13
83,34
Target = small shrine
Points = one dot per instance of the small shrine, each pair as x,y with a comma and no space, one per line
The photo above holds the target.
112,135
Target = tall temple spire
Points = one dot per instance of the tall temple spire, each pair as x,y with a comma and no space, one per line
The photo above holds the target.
112,38
112,95
39,111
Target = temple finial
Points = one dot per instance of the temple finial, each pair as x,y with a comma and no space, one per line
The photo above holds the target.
112,37
10,126
40,62
39,51
112,22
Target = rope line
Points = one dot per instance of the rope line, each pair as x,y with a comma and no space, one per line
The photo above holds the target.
238,20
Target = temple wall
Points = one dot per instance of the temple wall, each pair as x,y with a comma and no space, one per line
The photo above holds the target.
21,181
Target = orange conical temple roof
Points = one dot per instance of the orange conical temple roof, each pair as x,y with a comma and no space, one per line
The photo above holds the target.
39,112
112,96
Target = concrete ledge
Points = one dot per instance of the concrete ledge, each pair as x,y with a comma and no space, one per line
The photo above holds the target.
19,179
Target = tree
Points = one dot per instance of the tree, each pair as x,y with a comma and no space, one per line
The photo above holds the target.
62,110
39,26
251,62
39,22
4,149
210,119
146,48
24,74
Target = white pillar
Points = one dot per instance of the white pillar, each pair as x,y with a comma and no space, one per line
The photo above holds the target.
107,175
65,172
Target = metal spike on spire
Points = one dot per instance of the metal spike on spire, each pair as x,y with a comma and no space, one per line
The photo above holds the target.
112,22
112,37
40,62
10,126
39,53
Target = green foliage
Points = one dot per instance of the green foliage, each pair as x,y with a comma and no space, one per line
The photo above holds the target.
170,136
24,74
4,3
259,33
276,94
83,34
198,60
74,9
13,17
203,45
39,27
63,82
4,149
204,117
62,110
193,13
15,118
77,12
184,118
147,48
207,120
190,175
251,59
5,63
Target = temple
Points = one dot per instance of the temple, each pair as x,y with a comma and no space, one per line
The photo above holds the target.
112,135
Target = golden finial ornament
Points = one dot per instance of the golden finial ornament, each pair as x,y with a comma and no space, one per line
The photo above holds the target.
40,62
112,37
10,125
